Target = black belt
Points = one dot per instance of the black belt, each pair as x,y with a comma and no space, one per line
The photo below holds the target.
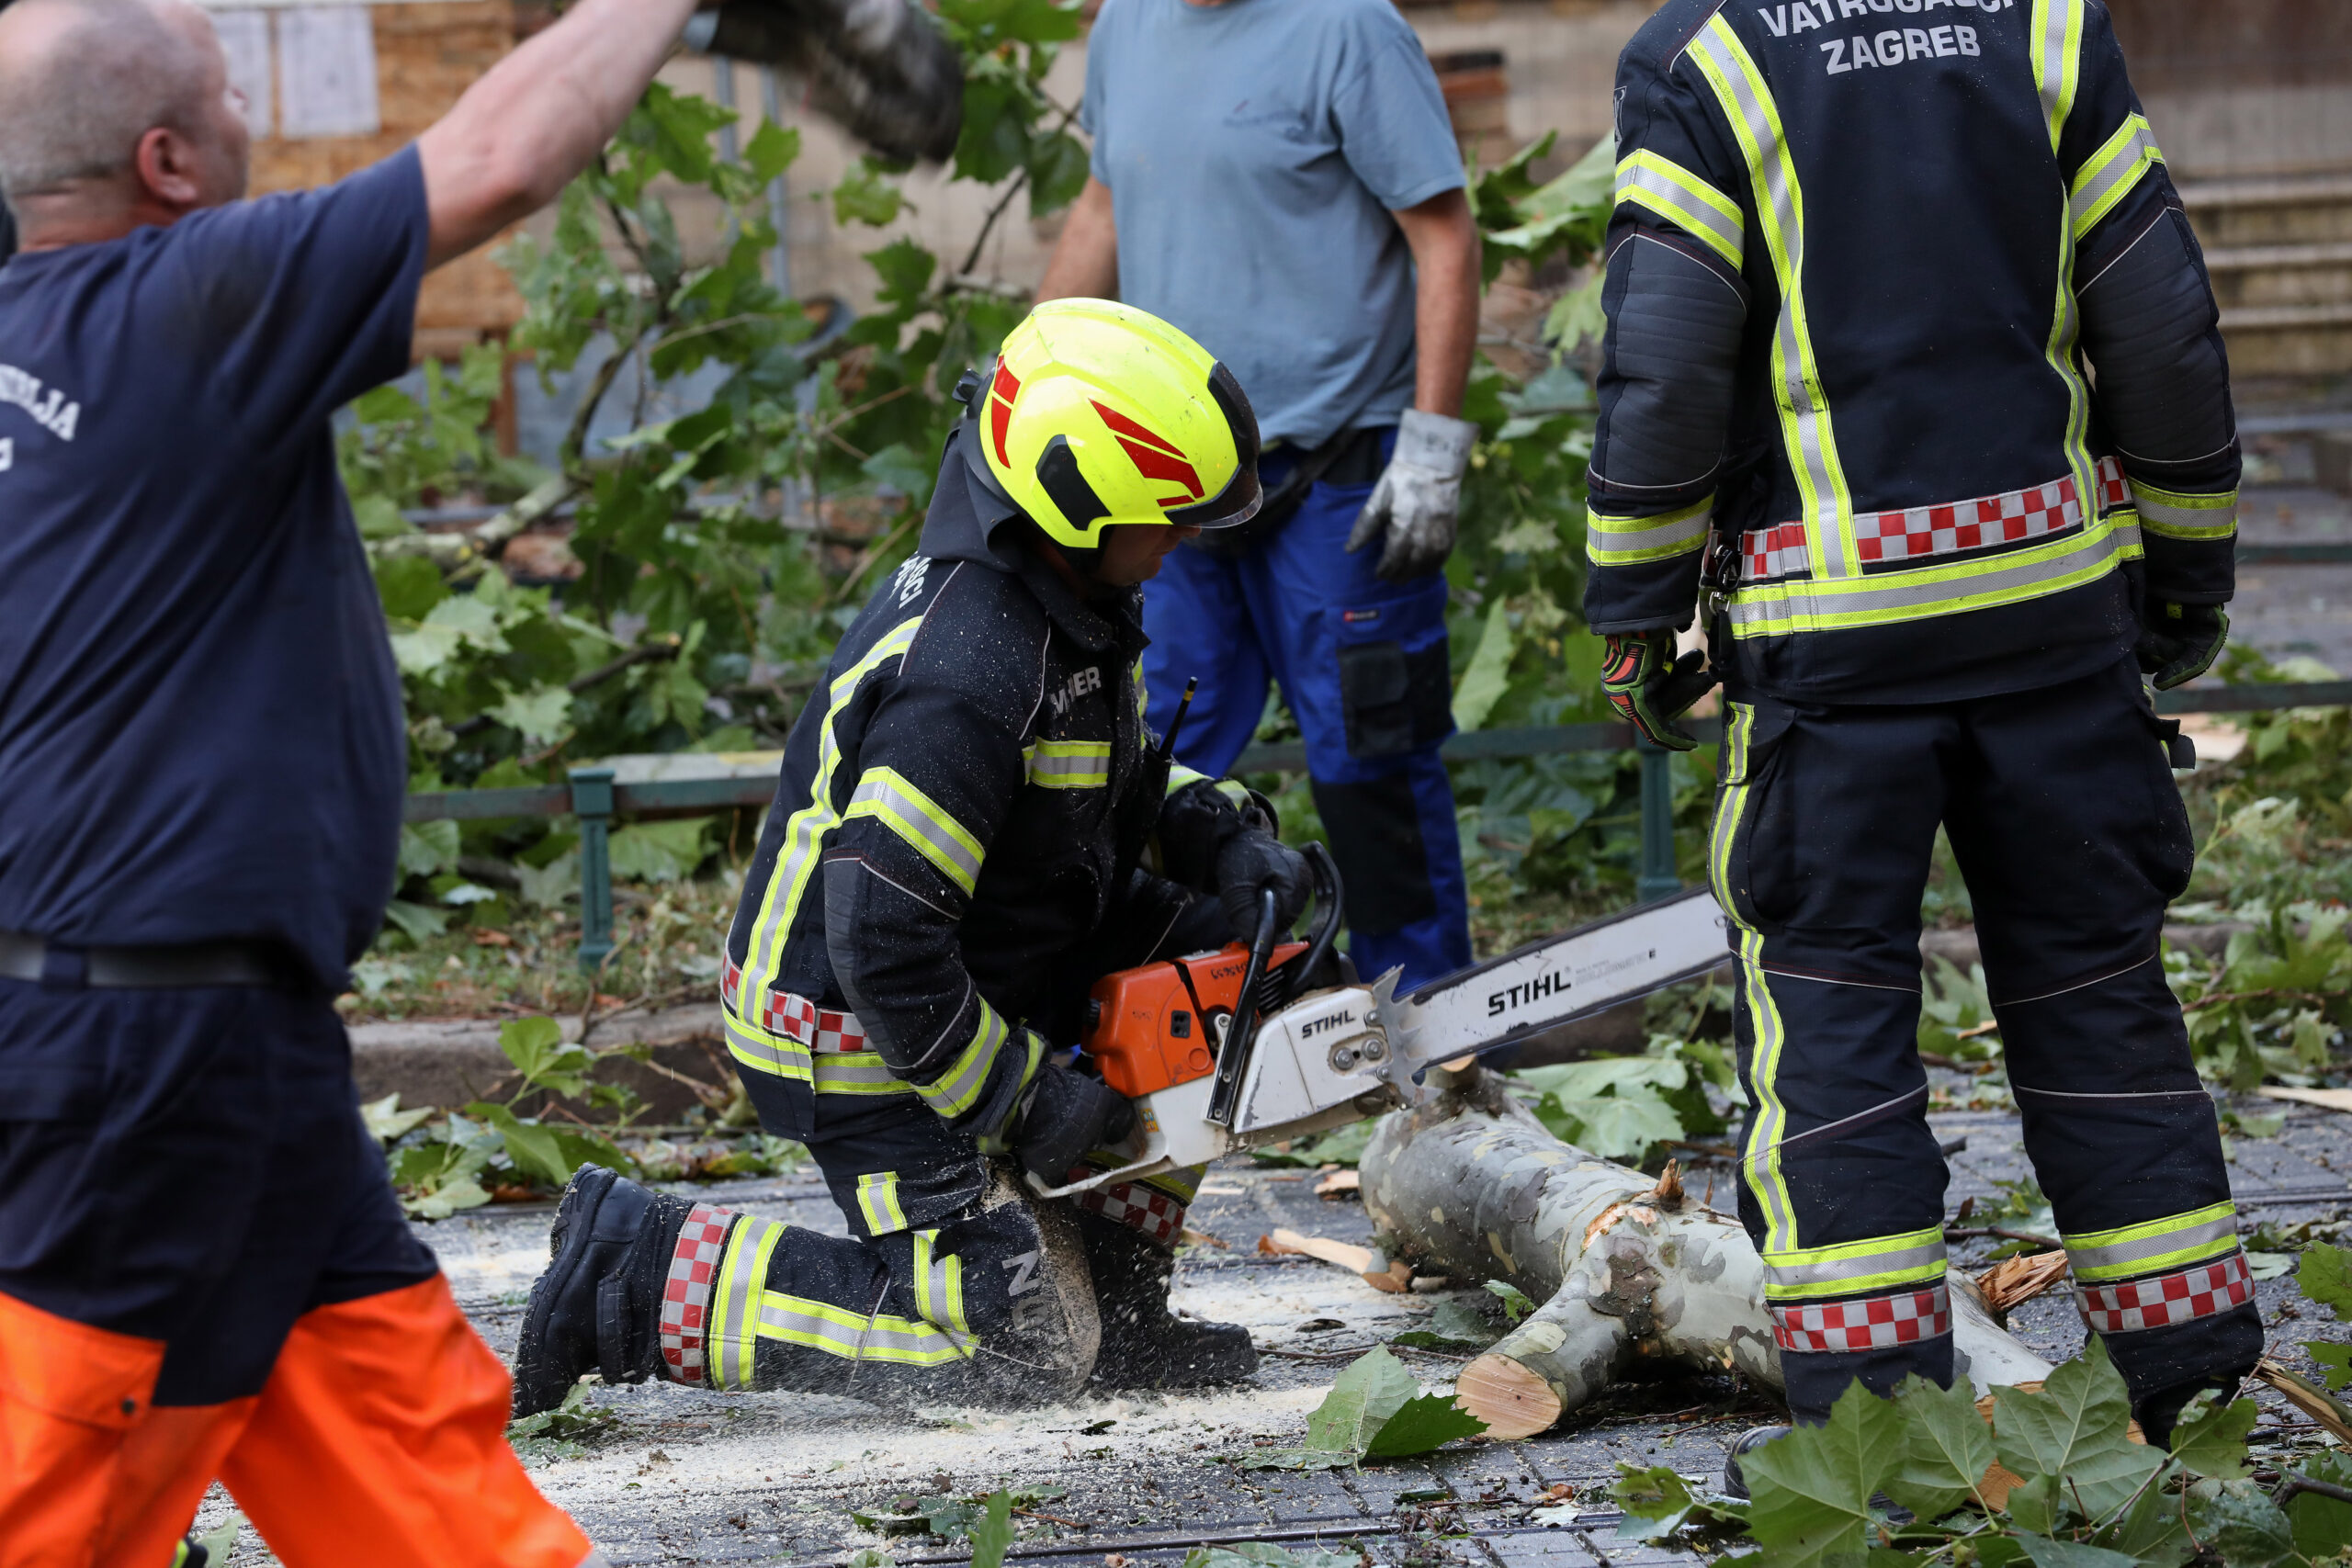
147,968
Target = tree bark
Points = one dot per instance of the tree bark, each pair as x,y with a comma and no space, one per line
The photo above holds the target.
1629,1270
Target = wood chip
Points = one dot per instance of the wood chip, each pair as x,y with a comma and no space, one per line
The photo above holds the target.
1202,1239
1339,1183
1378,1271
2013,1281
2325,1099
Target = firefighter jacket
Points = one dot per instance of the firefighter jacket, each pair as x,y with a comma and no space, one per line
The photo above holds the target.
1866,260
964,807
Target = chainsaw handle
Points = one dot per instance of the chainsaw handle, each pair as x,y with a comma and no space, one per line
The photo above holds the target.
1289,980
1242,1031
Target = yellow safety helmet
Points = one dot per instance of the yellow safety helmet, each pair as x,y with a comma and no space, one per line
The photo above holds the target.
1096,414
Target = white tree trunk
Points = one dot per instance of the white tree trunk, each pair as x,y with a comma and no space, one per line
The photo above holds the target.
1628,1269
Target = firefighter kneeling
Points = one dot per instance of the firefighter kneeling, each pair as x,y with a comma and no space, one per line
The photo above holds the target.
957,851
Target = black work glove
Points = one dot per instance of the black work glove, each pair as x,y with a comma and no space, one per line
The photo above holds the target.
1195,824
1650,688
2179,642
1249,862
1063,1115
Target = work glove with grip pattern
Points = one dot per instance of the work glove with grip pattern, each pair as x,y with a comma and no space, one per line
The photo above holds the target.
1416,503
1650,688
1062,1116
1249,862
2179,642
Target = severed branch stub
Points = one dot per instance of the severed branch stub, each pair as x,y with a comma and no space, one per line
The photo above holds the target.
1630,1270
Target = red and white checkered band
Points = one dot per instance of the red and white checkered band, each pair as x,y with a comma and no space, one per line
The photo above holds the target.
685,1297
2162,1299
1872,1322
1147,1209
1920,532
797,1018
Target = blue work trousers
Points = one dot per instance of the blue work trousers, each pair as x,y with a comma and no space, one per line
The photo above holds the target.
1363,664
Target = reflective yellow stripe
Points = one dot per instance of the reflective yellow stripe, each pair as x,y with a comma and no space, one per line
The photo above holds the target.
762,1051
2111,172
885,795
959,1088
1666,188
1805,428
2155,1246
1622,541
2066,561
1761,1160
2171,515
1178,775
1855,1267
1068,764
877,1202
1182,1184
853,1336
857,1072
735,1303
2057,60
805,831
939,1283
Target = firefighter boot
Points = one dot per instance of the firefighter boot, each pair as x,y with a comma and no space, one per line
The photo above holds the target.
597,1308
1145,1346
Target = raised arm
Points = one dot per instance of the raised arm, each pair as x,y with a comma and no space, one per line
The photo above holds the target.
520,134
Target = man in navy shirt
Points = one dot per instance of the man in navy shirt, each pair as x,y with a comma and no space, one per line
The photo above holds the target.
203,1272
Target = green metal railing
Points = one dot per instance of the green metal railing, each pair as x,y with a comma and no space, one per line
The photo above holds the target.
628,786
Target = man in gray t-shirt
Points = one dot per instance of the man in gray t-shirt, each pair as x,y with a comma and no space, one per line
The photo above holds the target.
1279,179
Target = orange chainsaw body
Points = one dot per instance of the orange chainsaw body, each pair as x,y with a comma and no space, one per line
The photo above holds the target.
1158,1025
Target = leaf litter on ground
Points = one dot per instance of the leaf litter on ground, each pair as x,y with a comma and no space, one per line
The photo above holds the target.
1375,1410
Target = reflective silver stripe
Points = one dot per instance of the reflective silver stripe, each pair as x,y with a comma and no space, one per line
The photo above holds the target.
838,1331
1622,541
2111,174
1936,590
954,1093
908,812
2172,516
1779,200
2057,50
1070,765
743,1278
1674,193
762,1052
1877,1265
2095,1257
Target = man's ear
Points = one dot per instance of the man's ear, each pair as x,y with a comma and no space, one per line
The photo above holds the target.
169,169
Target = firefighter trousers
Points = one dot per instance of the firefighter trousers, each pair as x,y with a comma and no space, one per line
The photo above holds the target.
959,1286
2069,832
204,1274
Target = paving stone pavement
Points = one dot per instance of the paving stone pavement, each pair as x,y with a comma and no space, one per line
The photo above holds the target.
685,1477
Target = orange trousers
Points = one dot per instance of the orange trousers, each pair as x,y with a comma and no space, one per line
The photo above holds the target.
380,1438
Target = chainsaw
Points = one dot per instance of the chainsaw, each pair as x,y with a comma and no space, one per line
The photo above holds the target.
1268,1041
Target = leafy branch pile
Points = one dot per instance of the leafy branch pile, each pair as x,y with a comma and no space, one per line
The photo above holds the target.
2055,1478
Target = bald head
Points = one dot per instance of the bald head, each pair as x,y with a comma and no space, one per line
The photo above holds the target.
114,107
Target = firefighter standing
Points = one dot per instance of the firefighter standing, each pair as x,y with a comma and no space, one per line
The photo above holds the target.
952,858
1862,270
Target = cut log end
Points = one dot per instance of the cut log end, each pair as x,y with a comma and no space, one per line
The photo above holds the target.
1509,1397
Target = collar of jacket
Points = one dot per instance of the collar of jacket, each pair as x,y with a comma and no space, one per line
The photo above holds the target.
964,523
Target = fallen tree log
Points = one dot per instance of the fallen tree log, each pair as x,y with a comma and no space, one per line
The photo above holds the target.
1628,1269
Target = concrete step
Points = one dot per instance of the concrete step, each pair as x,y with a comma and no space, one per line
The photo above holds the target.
2307,209
2267,277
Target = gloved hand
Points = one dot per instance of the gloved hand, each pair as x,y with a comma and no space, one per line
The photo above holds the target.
1418,496
1651,688
1249,862
2179,642
1063,1115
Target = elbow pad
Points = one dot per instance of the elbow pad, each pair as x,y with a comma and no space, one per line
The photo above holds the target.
2151,330
1666,381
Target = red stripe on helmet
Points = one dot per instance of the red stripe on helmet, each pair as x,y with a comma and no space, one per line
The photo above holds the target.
1154,456
1001,391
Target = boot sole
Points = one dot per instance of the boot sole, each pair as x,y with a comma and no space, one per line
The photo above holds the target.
536,1386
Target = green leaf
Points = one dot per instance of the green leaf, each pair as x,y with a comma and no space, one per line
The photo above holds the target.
548,887
771,150
1454,1326
657,852
1057,169
1265,1554
541,716
2048,1553
221,1540
419,922
2213,1443
387,1121
2323,1527
2077,1425
1488,674
1426,1422
1372,1388
2241,1524
1811,1489
2335,1362
1516,1304
2326,1277
533,1150
993,1533
1616,1126
864,196
1947,1447
427,849
903,269
409,586
2038,1505
537,1047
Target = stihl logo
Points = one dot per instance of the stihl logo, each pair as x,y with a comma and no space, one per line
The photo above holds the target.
1315,1026
1551,985
1155,456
